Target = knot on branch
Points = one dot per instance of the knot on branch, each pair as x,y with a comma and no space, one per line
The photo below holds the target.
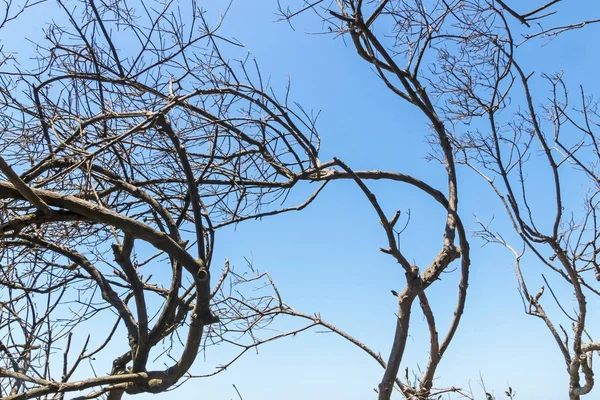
203,275
206,317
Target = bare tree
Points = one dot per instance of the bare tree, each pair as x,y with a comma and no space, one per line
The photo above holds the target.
458,63
134,139
124,148
399,64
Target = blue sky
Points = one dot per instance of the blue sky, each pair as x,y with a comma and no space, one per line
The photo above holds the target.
326,258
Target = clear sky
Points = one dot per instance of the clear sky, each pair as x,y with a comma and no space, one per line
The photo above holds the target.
326,258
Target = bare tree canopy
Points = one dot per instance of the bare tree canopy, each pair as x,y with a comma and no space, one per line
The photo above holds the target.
133,137
460,64
115,161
